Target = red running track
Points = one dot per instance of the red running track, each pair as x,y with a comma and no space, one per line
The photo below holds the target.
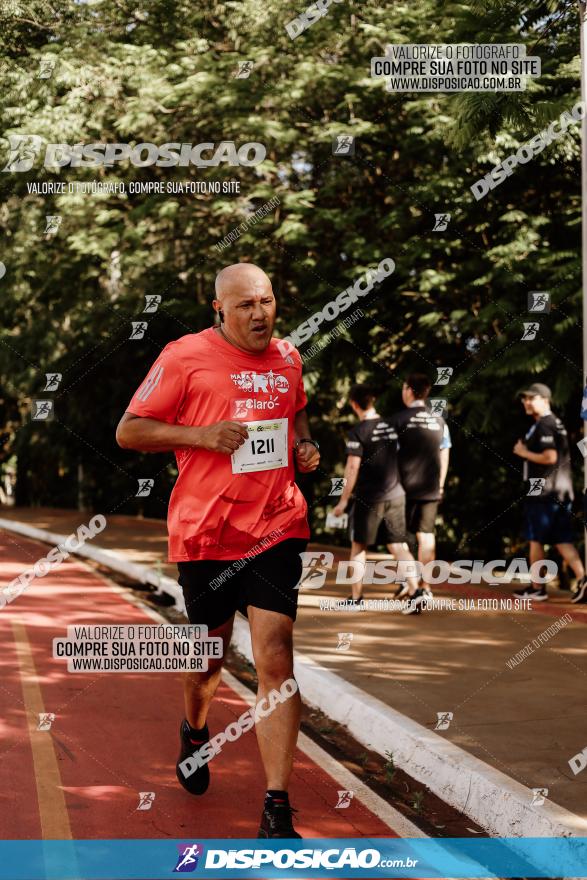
116,734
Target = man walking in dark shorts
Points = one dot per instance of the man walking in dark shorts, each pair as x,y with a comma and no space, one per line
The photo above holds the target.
232,408
424,449
372,482
547,470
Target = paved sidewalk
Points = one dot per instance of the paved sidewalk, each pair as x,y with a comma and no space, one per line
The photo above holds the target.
527,721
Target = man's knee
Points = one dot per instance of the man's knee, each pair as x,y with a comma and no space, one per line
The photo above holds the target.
566,550
536,549
274,659
400,551
427,546
201,679
426,539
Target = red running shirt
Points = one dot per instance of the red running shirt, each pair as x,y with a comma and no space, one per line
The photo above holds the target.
214,513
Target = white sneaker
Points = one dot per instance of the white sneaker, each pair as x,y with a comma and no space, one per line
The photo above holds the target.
532,593
581,594
414,602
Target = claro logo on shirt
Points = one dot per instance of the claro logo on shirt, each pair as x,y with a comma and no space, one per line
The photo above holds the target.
254,383
241,408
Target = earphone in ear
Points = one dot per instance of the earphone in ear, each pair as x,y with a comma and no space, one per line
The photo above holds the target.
221,316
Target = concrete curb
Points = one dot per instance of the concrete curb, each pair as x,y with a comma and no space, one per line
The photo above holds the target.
396,821
140,573
495,801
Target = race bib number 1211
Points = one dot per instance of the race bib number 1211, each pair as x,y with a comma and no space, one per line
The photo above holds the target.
264,450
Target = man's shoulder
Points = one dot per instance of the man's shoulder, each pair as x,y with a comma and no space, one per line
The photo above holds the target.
356,432
550,429
285,351
401,417
193,340
550,422
560,427
191,343
386,421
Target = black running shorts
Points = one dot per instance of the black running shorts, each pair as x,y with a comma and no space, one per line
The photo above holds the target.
214,589
421,516
385,521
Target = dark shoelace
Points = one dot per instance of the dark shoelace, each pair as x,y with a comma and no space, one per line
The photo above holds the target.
282,820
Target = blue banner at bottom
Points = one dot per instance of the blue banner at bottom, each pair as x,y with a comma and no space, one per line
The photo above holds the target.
358,857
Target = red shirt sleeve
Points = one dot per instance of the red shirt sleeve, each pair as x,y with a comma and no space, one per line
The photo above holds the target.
162,393
301,399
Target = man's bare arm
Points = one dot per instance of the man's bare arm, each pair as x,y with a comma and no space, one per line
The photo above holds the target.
151,435
549,456
351,472
301,425
444,457
307,456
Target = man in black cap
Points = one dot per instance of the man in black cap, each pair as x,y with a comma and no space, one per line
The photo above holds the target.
547,467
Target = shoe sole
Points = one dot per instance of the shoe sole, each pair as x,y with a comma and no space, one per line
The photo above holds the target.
537,598
414,609
581,595
183,780
266,837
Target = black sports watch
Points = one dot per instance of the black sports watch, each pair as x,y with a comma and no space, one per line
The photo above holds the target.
306,440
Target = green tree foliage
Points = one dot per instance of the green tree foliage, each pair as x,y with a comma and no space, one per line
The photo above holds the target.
146,72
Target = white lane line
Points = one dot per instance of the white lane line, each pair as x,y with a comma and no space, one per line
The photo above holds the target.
348,781
384,811
395,820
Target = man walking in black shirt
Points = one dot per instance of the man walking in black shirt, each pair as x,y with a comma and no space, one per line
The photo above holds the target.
547,467
372,480
424,444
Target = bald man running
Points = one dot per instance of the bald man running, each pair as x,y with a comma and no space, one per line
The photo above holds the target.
233,411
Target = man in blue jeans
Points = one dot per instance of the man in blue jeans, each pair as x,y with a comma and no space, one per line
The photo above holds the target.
547,468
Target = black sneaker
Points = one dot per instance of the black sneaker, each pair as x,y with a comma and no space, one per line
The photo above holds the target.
581,594
414,602
276,821
198,781
401,592
355,603
532,593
